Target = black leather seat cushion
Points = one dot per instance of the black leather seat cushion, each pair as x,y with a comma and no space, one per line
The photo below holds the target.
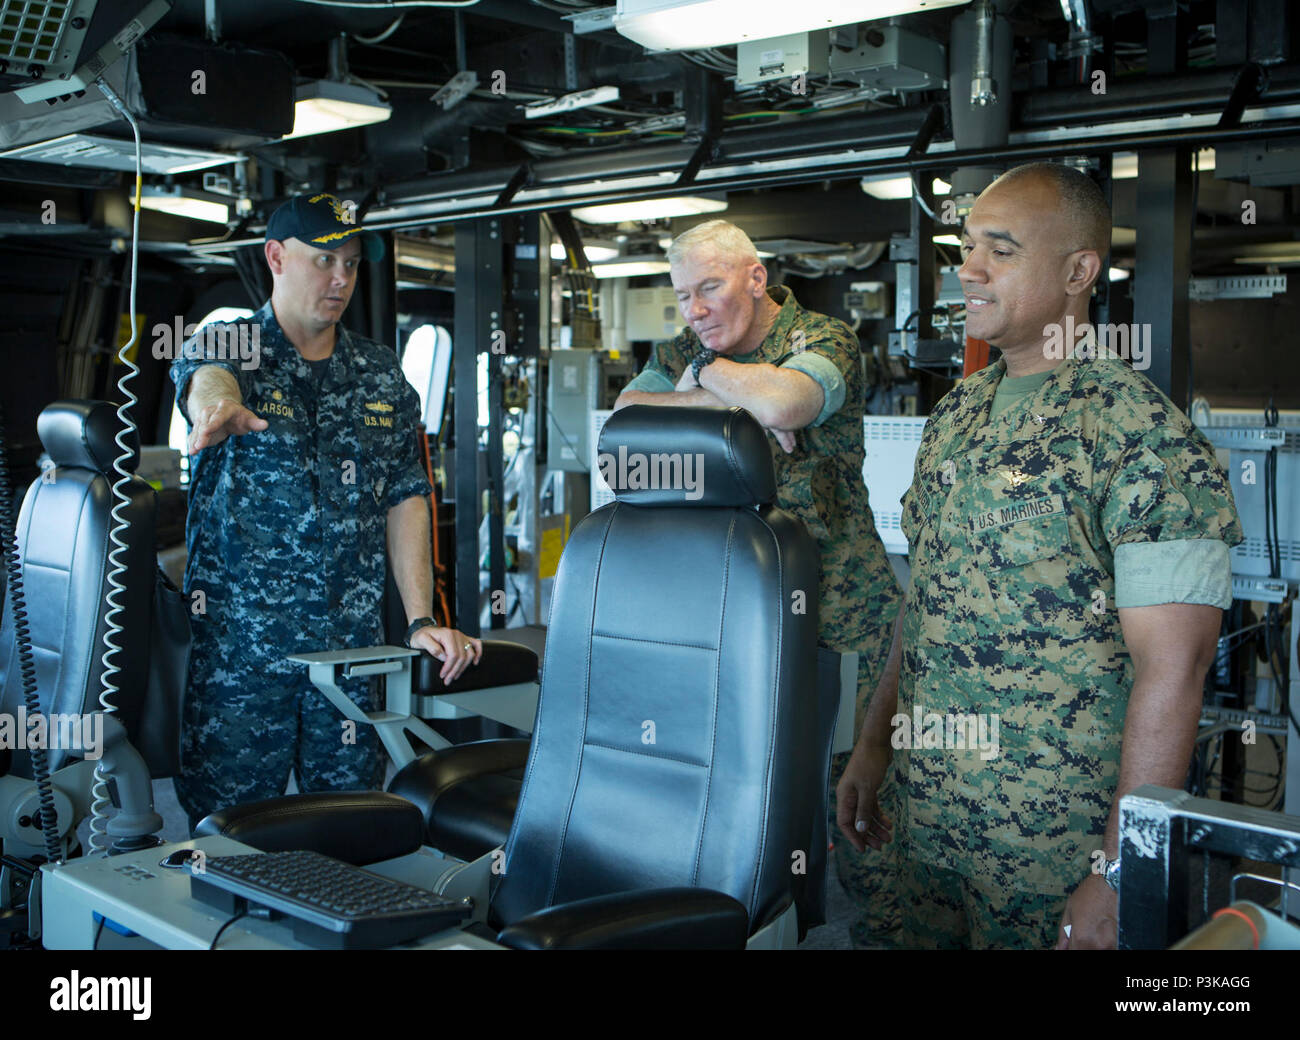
467,794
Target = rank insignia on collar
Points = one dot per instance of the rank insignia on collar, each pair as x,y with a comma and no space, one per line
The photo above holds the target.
1040,419
1013,477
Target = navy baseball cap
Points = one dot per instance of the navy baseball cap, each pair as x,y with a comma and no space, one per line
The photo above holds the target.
324,221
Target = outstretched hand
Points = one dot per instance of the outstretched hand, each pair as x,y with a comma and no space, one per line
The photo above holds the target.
218,421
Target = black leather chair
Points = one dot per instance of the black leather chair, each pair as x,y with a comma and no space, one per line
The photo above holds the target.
680,738
62,533
675,792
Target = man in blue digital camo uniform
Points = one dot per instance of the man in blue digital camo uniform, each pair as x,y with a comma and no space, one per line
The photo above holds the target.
1070,534
799,373
304,473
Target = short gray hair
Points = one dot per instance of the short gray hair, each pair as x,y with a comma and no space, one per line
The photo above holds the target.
722,236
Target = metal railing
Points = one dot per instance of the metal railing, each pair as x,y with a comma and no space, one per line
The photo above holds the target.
1178,857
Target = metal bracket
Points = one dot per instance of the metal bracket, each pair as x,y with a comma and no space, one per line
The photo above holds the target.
1237,287
706,151
570,62
594,19
456,89
925,133
1251,82
521,178
1246,438
1264,590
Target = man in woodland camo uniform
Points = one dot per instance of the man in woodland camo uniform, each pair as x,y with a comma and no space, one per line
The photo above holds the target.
799,373
1069,533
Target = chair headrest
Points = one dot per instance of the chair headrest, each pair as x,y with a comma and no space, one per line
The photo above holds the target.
81,434
686,457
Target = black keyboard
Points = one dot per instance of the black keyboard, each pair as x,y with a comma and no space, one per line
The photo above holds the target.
333,905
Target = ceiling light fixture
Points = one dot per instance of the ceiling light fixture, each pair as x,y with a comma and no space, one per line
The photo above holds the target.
1124,165
674,25
630,267
110,153
324,106
899,187
596,251
650,209
186,202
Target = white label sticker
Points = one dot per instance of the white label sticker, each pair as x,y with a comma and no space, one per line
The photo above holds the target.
133,31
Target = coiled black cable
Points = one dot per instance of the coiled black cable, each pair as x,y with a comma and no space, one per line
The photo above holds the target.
23,640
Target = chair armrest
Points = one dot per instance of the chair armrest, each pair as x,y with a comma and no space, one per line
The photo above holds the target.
503,664
643,919
358,827
432,774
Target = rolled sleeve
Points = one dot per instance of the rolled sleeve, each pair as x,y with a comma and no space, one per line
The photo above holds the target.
1187,570
651,381
827,375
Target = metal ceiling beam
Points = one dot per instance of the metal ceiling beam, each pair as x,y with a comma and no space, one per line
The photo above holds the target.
453,202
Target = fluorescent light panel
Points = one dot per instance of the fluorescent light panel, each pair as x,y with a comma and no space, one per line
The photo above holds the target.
673,25
630,267
596,251
899,187
649,209
1124,165
183,203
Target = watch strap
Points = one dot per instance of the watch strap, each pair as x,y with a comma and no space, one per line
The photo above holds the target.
416,625
703,357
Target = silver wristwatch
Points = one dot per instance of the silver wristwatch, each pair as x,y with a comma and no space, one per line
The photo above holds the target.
1110,871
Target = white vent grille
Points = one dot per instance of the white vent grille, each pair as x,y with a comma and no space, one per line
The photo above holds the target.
40,33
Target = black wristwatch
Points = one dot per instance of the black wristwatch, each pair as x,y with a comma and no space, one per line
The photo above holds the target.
416,625
704,357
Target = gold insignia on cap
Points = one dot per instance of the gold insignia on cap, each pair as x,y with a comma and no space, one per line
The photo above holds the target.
331,236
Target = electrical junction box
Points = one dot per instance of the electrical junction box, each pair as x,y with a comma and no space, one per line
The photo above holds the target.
652,314
782,58
889,58
578,383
